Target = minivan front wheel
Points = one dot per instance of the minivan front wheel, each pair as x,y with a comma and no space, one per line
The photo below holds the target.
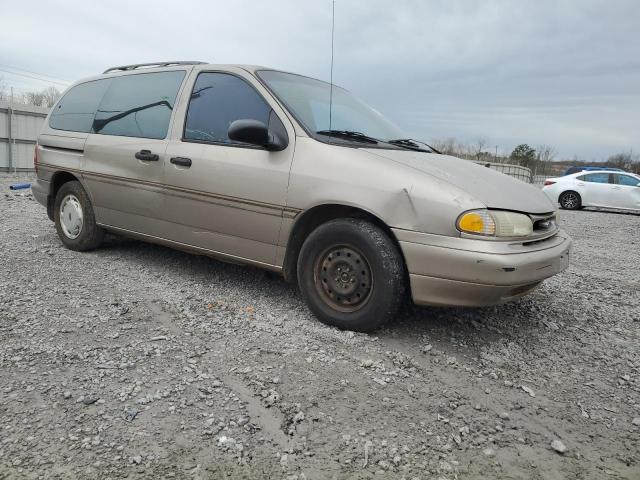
351,274
74,218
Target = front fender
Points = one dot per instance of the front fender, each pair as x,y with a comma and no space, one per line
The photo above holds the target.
398,195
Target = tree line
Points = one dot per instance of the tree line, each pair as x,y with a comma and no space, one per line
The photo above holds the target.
46,97
541,160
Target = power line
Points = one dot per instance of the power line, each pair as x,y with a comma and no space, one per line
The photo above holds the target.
64,83
34,73
22,89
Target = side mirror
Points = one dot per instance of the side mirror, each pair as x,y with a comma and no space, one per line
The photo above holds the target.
255,132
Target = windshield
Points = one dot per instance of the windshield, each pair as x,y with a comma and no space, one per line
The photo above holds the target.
308,99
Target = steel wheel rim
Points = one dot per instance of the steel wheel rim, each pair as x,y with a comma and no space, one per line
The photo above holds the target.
343,278
71,216
569,200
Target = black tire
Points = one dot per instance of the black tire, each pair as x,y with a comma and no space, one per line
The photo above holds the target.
369,283
89,235
570,200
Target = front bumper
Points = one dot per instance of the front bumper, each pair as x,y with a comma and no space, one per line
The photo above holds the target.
468,272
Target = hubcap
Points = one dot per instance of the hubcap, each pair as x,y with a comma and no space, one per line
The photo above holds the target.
570,200
71,218
343,278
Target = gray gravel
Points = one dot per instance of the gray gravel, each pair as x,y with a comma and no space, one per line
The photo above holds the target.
142,362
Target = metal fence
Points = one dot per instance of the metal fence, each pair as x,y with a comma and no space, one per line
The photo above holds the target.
515,171
19,128
539,179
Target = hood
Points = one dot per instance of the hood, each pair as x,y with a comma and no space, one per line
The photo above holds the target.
494,189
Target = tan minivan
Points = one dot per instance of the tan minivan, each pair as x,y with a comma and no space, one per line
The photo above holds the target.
258,166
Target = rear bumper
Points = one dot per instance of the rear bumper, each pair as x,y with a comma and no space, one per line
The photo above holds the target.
467,272
40,189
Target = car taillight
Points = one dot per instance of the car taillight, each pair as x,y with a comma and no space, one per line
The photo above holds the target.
35,159
548,182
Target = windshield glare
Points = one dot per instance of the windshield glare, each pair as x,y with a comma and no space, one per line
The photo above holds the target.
308,99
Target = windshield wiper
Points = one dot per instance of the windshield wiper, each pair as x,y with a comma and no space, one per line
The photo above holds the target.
411,144
348,134
99,124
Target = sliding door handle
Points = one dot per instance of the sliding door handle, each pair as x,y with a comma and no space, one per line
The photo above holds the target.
182,161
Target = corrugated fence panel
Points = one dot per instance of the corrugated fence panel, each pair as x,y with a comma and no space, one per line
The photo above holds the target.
26,127
4,155
26,122
4,125
23,156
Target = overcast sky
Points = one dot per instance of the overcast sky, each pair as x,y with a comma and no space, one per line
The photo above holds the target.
564,73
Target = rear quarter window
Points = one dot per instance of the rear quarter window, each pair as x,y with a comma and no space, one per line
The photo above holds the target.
138,105
627,180
77,108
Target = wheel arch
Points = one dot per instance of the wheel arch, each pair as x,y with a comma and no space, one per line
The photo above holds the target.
58,179
312,218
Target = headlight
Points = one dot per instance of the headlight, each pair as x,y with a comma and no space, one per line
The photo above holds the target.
495,223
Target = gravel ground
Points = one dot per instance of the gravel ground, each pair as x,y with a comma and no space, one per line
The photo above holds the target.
143,362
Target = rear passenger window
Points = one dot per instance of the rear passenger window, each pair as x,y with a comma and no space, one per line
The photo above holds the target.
217,100
138,105
76,110
597,178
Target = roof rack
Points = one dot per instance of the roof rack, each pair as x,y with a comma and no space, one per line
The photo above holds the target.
124,68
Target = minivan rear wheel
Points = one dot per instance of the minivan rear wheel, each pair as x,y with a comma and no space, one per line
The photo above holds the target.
351,274
570,200
74,218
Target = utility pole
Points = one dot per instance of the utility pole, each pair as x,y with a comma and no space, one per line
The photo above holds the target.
10,128
496,153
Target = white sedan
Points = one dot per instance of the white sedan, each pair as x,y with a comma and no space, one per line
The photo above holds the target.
600,189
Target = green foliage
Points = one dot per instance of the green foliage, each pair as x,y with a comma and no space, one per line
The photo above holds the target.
524,155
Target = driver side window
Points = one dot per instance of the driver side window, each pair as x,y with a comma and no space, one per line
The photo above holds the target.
217,100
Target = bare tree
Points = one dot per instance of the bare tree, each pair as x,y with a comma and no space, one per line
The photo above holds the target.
44,98
546,154
477,149
50,96
3,89
626,161
448,146
34,98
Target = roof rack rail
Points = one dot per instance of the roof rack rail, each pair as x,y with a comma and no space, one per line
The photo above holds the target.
125,68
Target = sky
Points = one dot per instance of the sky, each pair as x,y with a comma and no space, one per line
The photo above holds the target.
565,73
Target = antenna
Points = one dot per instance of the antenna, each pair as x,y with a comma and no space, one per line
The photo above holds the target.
333,21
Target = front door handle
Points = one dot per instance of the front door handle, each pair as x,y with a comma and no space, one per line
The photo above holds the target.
182,161
147,156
